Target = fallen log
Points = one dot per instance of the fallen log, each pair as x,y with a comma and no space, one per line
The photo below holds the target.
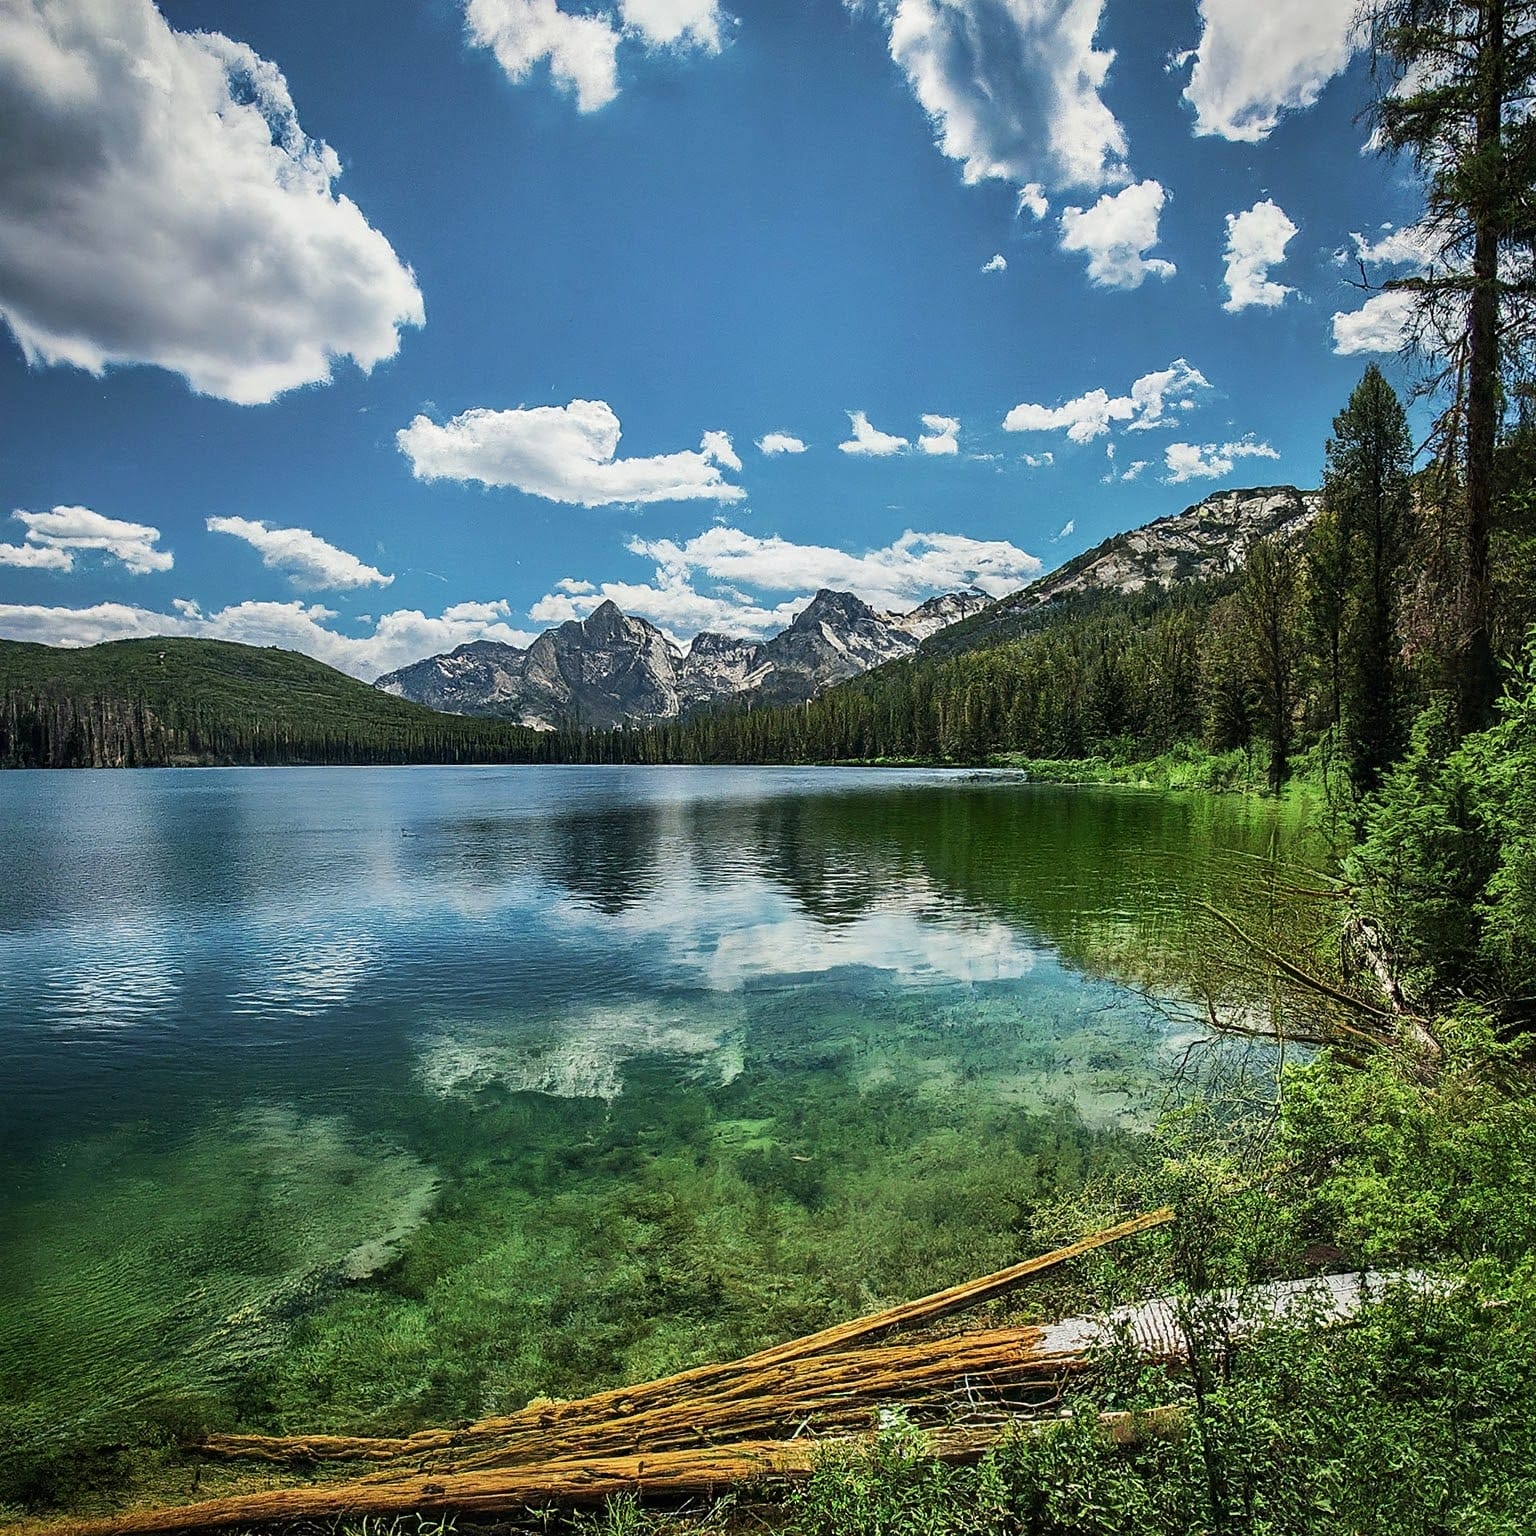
838,1391
1289,968
625,1402
700,1471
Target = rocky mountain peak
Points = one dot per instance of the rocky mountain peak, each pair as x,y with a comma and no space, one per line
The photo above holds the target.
607,622
612,668
942,611
1210,538
829,607
710,642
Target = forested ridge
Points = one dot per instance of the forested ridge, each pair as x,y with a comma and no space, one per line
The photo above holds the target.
157,702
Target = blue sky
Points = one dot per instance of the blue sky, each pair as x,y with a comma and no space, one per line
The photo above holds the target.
370,328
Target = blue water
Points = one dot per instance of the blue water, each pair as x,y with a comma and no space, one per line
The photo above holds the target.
308,1070
171,939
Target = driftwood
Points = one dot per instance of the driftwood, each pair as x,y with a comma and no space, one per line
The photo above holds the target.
1364,939
1379,1016
698,1431
836,1390
667,1474
549,1419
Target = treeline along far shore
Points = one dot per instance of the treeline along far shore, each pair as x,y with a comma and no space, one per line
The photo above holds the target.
1327,643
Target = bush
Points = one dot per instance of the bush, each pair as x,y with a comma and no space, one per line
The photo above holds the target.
1448,855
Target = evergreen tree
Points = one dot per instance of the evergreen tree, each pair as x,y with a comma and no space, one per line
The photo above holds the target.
1326,595
1268,603
1367,491
1226,681
1457,79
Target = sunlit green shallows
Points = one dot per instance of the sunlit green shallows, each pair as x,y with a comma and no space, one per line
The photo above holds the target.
367,1099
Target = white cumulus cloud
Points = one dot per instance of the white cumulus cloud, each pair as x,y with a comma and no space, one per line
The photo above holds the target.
1207,461
36,557
565,453
1412,245
870,441
307,560
731,581
1382,324
716,446
582,51
580,48
1033,201
998,263
396,638
1255,61
1013,88
941,436
1148,404
1039,460
161,204
1116,234
909,569
1256,241
675,23
54,538
771,443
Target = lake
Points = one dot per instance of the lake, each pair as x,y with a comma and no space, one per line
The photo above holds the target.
364,1099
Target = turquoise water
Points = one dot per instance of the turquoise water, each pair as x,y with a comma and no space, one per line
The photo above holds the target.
369,1098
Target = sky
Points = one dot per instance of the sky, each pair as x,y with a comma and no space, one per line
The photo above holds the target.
371,327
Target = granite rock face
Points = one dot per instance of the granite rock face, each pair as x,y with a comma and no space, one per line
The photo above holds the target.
1211,538
612,669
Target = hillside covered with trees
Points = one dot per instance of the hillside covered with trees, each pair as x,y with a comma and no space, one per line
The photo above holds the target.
153,703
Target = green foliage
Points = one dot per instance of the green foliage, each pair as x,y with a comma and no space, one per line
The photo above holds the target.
1357,555
1502,763
401,1525
1187,766
1422,862
618,1516
1396,1167
1448,855
143,703
894,1487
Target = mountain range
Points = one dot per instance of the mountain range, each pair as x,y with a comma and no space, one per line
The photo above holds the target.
613,669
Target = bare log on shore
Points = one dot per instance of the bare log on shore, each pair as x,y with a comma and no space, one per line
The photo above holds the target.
701,1471
700,1431
547,1420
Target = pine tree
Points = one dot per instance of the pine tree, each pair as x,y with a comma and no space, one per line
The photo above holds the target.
1368,494
1269,609
1457,78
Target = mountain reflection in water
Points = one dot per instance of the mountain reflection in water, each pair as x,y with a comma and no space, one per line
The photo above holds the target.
370,1098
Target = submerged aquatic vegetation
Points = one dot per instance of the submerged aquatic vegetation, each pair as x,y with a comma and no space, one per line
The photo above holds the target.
572,1243
147,1272
509,1108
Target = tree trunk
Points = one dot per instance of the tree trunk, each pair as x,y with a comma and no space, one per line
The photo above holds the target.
1479,678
